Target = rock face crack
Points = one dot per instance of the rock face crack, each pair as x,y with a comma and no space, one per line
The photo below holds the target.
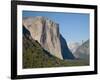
43,35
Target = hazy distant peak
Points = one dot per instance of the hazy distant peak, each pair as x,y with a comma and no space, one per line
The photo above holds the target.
83,50
73,46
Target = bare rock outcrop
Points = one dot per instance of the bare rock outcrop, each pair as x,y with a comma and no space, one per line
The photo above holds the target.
46,32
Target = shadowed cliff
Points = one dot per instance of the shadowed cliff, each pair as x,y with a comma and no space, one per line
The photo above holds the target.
66,53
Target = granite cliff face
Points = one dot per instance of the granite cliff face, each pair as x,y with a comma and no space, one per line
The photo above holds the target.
34,56
46,32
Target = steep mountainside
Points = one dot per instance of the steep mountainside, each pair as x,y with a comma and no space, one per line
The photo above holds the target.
46,32
34,56
83,51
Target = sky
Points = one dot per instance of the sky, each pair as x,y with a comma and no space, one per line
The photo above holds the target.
74,27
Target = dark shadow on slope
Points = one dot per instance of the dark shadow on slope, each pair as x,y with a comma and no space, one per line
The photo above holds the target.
66,53
26,32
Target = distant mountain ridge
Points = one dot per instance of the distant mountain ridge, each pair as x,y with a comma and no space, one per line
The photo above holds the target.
83,51
46,32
